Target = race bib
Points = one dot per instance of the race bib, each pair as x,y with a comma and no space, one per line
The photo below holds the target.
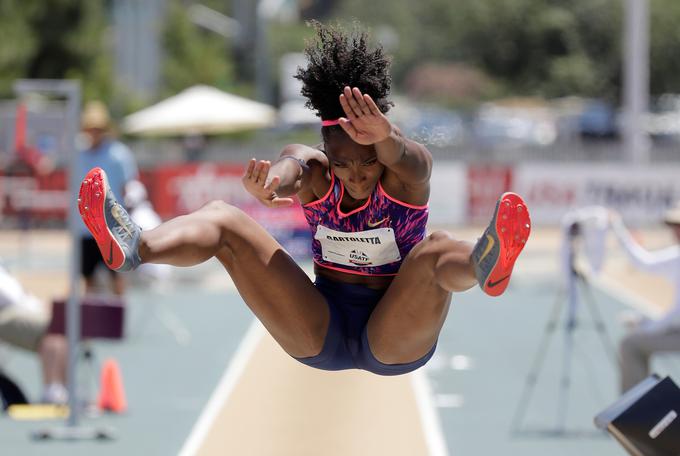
358,249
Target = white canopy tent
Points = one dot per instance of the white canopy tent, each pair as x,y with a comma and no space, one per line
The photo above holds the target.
200,110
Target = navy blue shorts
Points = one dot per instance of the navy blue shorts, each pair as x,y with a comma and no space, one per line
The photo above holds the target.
346,345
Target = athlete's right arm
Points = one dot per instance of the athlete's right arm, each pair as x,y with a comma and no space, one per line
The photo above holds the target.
309,179
300,170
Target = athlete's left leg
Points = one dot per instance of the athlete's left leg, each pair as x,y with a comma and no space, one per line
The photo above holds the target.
406,322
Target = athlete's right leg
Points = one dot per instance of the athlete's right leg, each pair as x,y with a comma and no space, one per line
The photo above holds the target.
270,282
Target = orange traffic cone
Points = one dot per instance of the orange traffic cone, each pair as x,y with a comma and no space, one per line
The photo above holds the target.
111,392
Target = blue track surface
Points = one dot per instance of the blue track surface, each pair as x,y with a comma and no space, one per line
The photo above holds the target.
167,384
494,341
501,338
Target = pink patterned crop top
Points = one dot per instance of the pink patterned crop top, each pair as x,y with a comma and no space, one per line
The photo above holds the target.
370,240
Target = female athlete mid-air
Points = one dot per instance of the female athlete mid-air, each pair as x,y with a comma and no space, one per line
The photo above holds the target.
383,285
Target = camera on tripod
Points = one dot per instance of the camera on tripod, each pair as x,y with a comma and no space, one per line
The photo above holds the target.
583,237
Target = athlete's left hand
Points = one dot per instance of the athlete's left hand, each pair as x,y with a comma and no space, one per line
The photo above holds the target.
364,123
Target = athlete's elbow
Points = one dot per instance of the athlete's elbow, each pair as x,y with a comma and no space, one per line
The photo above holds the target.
292,150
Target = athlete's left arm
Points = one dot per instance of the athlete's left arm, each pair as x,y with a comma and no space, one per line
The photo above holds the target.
409,160
366,124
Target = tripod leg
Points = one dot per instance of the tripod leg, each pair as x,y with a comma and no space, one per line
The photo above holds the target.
593,379
565,383
599,322
570,324
537,363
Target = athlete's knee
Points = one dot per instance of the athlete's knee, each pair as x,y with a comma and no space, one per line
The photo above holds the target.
446,261
432,244
223,215
218,207
451,250
204,228
439,236
439,246
441,242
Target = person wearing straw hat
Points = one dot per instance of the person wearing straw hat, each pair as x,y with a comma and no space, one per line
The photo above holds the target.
650,336
117,160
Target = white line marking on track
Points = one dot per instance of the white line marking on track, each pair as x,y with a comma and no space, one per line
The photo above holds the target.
461,363
429,417
449,400
224,388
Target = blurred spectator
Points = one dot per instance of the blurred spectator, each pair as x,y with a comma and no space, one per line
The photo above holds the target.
194,146
119,163
24,320
649,336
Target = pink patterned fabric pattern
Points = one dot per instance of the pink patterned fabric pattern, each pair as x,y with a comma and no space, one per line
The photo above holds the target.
380,211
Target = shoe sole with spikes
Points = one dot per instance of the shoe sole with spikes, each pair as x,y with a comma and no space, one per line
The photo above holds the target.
495,253
98,208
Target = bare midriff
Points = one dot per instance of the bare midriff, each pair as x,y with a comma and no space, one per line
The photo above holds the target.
376,282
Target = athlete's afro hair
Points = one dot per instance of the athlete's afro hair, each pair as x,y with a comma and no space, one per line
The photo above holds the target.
338,58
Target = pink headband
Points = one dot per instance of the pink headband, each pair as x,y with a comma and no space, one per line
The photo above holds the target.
330,123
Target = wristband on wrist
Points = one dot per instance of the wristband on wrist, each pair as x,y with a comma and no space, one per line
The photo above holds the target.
301,162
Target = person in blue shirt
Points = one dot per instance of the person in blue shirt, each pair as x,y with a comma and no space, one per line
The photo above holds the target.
118,161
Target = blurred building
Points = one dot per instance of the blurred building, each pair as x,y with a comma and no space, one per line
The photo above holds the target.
137,45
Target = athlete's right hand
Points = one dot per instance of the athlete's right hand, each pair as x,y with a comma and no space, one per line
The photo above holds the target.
262,186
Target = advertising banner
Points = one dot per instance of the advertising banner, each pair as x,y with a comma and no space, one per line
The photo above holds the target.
181,189
31,197
485,184
448,195
641,193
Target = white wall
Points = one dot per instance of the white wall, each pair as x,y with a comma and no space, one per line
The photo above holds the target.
448,195
641,194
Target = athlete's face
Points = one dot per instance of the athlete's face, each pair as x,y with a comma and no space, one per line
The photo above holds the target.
355,165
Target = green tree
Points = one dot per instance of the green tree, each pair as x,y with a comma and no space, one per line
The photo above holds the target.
17,45
192,55
534,47
55,39
665,46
